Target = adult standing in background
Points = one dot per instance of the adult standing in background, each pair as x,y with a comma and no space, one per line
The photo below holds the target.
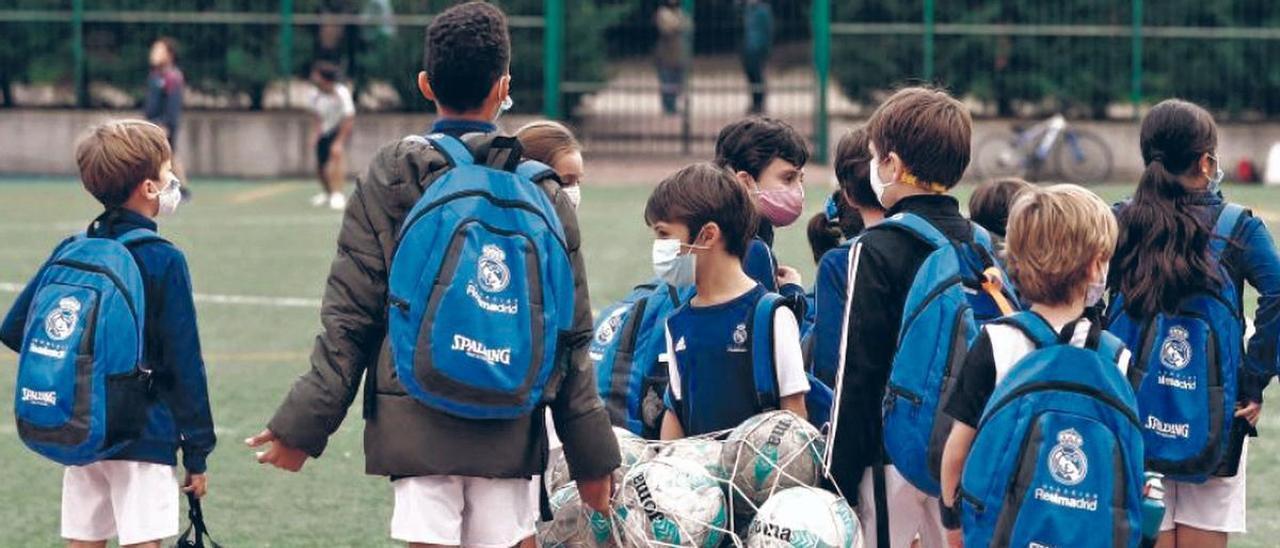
162,104
670,54
757,38
335,114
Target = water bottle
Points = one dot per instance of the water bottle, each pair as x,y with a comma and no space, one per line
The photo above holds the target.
1152,507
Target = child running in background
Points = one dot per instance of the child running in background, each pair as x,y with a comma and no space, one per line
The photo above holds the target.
1180,239
703,221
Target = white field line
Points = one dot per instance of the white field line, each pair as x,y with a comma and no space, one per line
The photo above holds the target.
242,300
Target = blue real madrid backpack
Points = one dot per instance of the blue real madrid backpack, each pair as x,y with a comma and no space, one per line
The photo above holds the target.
629,338
480,290
1057,460
940,319
1188,363
82,389
818,401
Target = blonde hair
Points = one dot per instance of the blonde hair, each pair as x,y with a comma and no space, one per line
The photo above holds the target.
116,156
1055,235
546,140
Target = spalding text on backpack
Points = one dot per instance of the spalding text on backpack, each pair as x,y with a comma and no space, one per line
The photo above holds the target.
1188,364
628,339
1057,460
481,290
940,320
82,389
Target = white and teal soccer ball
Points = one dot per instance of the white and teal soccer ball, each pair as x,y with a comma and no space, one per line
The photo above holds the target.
805,517
635,450
704,451
771,452
573,525
671,502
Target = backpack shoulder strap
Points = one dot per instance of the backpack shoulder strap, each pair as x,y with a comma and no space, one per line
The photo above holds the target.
534,170
453,149
1228,222
919,227
1033,326
981,236
763,368
139,236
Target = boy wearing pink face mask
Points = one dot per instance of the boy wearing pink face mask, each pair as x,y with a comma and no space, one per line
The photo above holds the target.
767,157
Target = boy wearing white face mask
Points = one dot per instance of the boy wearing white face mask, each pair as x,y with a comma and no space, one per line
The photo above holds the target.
133,494
767,157
702,221
1060,242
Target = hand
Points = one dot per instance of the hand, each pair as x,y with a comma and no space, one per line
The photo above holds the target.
1251,412
955,538
196,484
787,275
596,493
279,455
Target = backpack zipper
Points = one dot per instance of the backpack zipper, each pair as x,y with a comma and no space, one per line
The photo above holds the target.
1066,387
128,297
517,204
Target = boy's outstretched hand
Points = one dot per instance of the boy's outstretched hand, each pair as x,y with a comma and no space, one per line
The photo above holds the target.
596,493
279,455
196,484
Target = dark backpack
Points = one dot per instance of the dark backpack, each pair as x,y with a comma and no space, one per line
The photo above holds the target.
1057,460
1188,363
481,290
628,339
82,389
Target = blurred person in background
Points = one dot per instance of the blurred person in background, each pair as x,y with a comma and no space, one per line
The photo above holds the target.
554,144
670,55
757,39
162,104
335,115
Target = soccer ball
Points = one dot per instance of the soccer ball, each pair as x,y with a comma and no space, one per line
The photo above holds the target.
802,517
704,451
573,525
671,502
635,450
771,452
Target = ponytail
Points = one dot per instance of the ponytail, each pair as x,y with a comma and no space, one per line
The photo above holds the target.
1163,251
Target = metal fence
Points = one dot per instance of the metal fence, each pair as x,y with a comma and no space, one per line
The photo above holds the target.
597,62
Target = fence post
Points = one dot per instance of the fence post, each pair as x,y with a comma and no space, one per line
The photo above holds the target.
77,52
1135,91
686,81
286,45
928,40
821,72
552,57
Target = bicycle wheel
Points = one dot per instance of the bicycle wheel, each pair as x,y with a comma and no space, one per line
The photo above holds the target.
1082,158
999,156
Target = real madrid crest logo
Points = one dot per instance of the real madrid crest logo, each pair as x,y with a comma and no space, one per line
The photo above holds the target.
1175,353
1067,463
740,334
491,271
60,323
609,327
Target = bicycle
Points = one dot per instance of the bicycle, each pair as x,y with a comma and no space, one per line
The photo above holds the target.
1077,155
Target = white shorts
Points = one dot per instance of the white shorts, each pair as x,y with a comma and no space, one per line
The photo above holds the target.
1215,505
134,501
463,511
911,512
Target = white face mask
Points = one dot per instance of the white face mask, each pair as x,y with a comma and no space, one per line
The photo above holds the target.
1096,290
170,196
672,267
574,192
877,186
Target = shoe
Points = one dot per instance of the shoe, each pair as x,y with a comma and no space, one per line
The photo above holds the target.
319,199
337,201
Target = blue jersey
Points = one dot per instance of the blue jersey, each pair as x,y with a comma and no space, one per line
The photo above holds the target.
712,352
830,296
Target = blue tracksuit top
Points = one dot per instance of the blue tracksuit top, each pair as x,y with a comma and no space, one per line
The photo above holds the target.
179,415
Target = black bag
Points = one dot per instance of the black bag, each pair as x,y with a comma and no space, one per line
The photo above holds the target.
196,532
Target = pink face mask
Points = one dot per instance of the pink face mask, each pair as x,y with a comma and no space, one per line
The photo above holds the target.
782,207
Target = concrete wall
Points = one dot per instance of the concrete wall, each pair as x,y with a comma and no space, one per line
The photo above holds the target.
275,143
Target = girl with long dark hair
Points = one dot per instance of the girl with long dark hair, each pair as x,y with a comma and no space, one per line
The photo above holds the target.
1168,252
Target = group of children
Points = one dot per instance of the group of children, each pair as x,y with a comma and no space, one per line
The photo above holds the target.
454,398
